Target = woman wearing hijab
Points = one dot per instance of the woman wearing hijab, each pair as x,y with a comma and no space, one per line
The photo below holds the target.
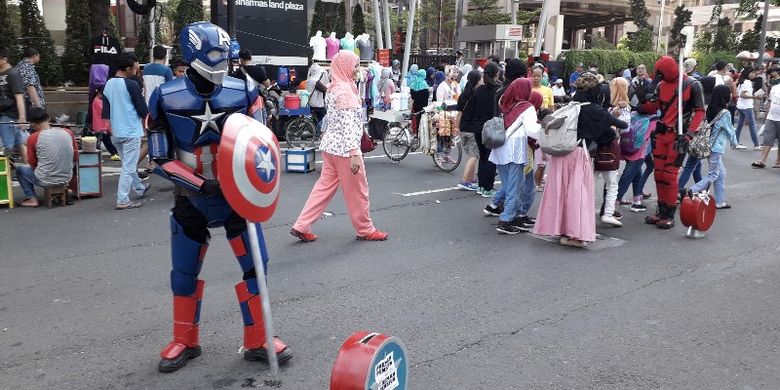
316,84
386,89
420,95
342,160
438,80
468,129
511,158
412,75
430,76
464,72
568,204
722,131
448,89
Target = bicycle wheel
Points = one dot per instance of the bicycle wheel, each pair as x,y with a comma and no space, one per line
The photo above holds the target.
397,143
449,161
300,132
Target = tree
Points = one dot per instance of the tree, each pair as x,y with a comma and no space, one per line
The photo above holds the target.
724,37
639,14
340,28
35,34
771,42
7,33
187,11
318,19
358,20
716,11
703,42
76,58
144,40
750,38
642,39
436,16
486,12
99,17
682,16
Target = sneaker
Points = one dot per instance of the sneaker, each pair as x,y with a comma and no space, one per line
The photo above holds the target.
624,202
618,215
488,193
740,147
115,157
507,228
479,190
305,237
638,207
529,220
757,148
611,220
468,186
492,210
143,193
375,236
520,224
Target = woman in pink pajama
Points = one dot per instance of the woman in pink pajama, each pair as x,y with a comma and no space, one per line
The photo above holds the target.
342,160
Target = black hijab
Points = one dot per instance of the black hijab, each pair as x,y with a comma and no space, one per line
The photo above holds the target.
721,97
472,79
594,123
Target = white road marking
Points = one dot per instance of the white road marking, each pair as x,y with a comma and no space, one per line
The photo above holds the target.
426,192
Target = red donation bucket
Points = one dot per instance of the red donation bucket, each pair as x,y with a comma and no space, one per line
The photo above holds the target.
370,361
292,102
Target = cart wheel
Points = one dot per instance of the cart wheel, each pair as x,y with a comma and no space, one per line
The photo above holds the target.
397,143
300,133
449,161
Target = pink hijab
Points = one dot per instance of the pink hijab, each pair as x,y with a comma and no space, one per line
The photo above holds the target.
343,85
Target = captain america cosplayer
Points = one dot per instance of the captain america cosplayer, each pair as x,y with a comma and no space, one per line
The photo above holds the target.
187,118
669,148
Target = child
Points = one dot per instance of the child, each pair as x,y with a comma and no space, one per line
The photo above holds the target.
100,125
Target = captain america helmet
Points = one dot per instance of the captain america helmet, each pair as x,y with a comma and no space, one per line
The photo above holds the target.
206,48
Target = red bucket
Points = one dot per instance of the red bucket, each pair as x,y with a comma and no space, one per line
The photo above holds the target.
292,102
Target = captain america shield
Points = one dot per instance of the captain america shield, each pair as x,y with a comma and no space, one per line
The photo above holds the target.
249,160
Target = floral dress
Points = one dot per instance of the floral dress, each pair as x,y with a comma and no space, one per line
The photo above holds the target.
342,129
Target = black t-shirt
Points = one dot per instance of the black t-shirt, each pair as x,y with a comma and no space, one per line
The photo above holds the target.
105,49
254,71
10,85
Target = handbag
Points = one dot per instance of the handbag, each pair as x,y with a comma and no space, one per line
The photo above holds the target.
493,132
367,143
700,146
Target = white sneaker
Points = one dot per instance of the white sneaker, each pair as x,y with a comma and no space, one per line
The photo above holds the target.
740,147
611,220
757,148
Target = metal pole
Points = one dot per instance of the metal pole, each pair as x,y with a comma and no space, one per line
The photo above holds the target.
458,22
762,41
513,11
388,34
680,77
660,25
378,22
151,35
438,32
409,33
231,18
540,29
254,243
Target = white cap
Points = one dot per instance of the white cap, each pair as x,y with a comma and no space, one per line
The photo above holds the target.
689,64
559,81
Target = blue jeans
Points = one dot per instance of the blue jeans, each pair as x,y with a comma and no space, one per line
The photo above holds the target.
11,135
527,193
511,175
716,176
649,168
27,180
751,120
632,175
128,149
692,166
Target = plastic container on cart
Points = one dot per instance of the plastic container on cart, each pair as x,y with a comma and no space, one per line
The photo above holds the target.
395,103
304,98
405,97
292,102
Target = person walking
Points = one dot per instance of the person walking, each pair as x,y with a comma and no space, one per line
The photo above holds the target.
317,80
342,160
511,158
568,203
772,125
12,109
745,103
468,130
156,73
722,131
33,92
483,110
620,109
420,93
101,126
125,108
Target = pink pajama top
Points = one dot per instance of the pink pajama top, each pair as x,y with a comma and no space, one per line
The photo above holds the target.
342,131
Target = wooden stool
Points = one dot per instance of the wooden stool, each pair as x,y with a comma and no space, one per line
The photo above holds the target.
59,192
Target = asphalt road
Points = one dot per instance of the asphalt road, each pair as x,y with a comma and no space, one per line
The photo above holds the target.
85,301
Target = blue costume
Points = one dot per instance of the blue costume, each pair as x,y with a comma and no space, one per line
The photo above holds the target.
188,115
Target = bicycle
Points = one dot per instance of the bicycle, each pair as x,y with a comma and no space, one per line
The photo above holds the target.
301,131
399,140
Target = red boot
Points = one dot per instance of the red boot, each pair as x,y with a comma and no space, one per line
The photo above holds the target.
185,344
667,221
254,331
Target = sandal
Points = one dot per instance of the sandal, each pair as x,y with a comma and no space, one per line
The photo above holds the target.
30,202
758,165
127,206
777,165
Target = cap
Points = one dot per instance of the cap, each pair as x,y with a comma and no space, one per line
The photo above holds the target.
689,64
559,81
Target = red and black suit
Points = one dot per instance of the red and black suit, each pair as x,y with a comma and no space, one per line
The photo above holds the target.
669,147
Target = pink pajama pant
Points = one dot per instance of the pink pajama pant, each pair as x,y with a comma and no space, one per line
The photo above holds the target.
336,171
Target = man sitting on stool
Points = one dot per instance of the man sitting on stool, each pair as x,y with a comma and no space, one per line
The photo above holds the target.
51,152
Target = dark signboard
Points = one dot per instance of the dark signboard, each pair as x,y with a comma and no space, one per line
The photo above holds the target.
270,27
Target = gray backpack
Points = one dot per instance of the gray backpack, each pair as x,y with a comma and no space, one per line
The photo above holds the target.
559,136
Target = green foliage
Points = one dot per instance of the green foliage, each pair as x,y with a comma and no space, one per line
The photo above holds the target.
486,12
7,33
640,41
771,42
600,42
716,11
430,13
703,42
705,60
682,16
187,11
609,61
341,17
724,38
747,8
35,34
358,20
318,19
143,47
76,58
639,14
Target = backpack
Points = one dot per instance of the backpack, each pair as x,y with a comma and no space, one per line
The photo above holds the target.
700,146
632,140
559,137
283,77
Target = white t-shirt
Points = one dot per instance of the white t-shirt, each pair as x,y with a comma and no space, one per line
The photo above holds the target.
745,87
774,104
558,91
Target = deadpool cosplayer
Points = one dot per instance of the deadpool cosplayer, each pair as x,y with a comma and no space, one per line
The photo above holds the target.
669,148
187,118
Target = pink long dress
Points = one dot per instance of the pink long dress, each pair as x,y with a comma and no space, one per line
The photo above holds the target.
568,205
